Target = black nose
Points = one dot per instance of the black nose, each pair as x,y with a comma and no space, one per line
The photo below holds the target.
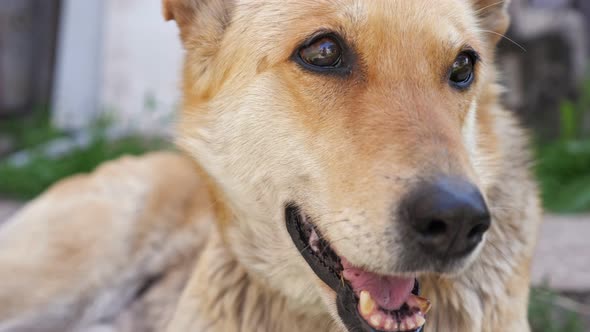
448,217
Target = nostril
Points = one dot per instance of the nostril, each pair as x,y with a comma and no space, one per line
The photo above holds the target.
435,228
447,217
478,230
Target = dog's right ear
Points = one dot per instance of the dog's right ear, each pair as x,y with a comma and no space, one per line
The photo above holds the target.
493,17
200,21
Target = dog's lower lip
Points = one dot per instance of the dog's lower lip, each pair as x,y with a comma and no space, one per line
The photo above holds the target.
329,268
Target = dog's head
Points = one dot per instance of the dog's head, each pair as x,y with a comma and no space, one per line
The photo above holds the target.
348,141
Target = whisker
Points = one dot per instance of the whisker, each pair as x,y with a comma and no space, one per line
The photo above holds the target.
326,214
304,248
331,243
334,222
507,38
503,256
490,6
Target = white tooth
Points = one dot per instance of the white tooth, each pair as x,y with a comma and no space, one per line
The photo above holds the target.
389,324
314,240
419,320
426,308
367,304
403,326
419,302
376,320
410,324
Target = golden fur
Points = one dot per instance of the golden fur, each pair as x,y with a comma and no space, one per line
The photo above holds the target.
265,132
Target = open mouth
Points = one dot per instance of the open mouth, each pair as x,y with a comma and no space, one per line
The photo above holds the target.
366,301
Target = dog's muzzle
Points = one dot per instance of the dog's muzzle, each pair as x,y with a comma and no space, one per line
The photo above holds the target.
366,301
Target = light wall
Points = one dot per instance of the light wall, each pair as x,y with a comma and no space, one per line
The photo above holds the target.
118,58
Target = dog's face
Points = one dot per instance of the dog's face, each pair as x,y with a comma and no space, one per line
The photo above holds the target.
345,139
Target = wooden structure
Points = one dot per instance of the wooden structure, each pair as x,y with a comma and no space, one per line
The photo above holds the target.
27,45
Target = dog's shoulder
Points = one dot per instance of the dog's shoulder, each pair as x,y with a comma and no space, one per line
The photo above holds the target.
112,231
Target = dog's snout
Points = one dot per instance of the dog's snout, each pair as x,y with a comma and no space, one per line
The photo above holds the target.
447,217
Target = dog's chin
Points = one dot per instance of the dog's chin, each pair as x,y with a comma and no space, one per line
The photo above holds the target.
365,301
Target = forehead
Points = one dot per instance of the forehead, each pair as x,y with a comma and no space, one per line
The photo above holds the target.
398,23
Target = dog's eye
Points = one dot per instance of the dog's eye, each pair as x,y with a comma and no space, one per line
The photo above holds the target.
462,71
323,52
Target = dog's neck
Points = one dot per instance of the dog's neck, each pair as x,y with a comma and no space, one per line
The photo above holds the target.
230,299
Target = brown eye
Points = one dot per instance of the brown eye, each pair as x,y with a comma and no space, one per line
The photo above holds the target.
462,71
324,52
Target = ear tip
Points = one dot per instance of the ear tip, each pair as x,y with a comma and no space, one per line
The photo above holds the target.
168,16
167,10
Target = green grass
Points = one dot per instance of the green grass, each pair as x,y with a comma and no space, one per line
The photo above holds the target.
563,170
25,182
30,130
546,316
563,166
29,180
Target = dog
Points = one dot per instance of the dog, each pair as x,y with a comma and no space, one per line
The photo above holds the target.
349,168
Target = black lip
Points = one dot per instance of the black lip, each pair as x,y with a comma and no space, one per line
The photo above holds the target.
330,272
327,273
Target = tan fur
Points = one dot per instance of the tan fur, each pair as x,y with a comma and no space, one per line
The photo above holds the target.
77,254
265,132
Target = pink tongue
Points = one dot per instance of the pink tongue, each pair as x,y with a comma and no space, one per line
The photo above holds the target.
389,293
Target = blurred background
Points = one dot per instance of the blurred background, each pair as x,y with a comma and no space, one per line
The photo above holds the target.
82,82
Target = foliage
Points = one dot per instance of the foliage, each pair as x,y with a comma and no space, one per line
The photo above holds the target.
41,171
30,130
563,169
25,182
546,316
563,166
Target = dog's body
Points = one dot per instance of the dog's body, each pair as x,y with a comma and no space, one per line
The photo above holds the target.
343,152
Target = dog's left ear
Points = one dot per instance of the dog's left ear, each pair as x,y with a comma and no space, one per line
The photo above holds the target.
201,22
494,18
